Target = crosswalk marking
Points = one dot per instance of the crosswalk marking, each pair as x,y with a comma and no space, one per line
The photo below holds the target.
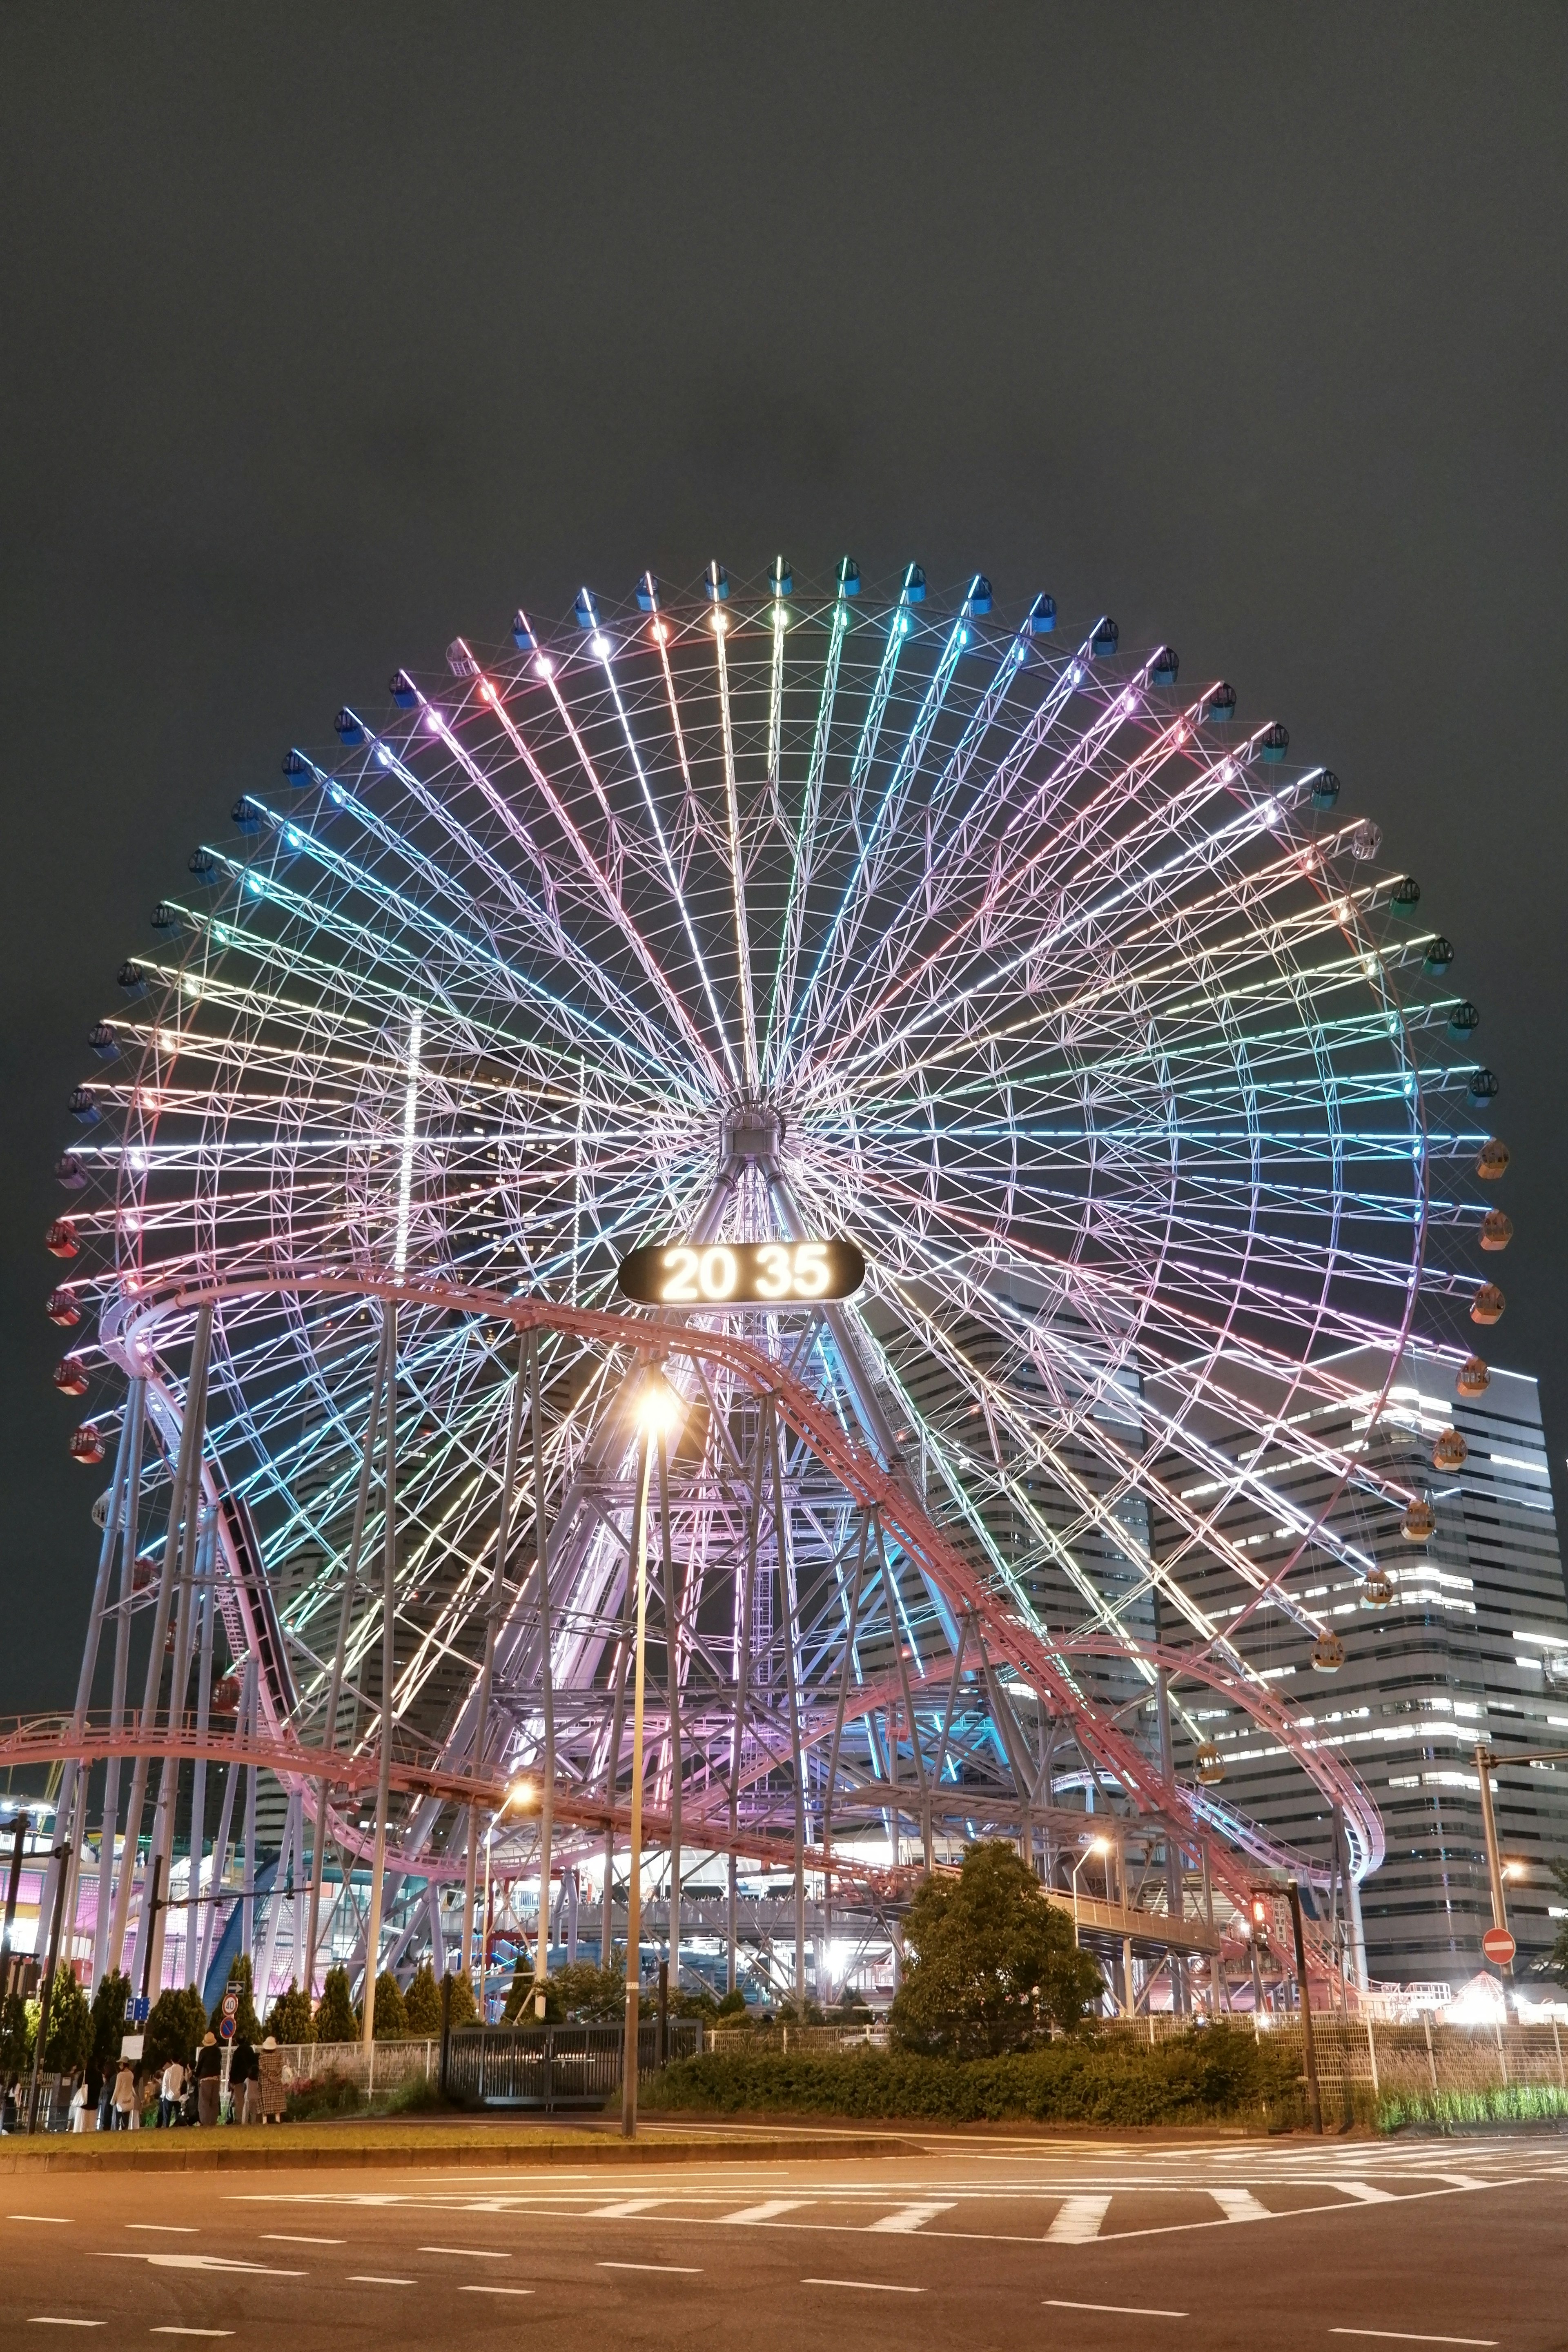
628,2205
1078,2220
1239,2205
766,2212
1364,2190
911,2217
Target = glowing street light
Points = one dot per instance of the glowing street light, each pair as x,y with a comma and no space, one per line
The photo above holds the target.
1095,1846
522,1794
658,1411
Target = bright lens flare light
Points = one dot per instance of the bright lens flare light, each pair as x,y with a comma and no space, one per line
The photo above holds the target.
659,1407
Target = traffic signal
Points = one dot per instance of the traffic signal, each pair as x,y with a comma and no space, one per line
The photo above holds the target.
1260,1918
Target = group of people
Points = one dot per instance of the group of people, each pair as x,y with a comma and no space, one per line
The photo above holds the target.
192,2094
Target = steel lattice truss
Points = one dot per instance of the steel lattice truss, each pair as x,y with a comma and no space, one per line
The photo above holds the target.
1081,1007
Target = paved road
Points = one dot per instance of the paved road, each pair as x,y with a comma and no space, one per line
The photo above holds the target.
985,2243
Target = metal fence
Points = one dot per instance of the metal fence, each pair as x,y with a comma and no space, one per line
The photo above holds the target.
554,2067
384,2067
1415,2062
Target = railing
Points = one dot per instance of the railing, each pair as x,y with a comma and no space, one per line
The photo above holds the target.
1417,2064
386,2066
552,2067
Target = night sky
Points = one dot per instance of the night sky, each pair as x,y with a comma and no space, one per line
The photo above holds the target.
329,332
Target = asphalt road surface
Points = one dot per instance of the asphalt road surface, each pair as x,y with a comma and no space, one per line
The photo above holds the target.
973,2244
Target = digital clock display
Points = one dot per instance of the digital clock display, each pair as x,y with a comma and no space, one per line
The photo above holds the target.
742,1274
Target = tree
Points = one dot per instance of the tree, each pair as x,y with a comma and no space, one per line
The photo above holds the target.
994,1963
70,2039
733,2005
247,2024
423,2003
390,2023
464,2009
175,2028
15,2037
335,2012
519,2010
583,1992
288,2019
108,2024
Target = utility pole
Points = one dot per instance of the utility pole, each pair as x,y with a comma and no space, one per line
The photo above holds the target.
62,1851
24,1824
1314,2103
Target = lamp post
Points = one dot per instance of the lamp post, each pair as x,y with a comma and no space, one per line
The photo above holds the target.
1095,1846
521,1792
656,1408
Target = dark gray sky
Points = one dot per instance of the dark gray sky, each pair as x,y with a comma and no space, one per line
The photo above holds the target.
331,332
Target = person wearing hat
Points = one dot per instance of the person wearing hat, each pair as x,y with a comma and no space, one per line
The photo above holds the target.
209,2079
273,2095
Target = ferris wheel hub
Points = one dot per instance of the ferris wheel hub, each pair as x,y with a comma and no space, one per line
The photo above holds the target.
752,1136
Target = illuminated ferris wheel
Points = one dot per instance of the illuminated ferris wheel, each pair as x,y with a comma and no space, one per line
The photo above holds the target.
780,916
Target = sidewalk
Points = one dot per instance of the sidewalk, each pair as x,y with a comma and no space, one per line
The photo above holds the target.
368,2143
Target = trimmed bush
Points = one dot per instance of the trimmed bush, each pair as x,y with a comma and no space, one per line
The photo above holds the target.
423,2003
335,2020
323,2095
289,2020
1212,2071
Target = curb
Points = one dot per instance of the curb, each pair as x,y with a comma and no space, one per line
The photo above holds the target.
320,2155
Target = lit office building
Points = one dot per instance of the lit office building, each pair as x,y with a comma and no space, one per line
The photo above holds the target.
1473,1646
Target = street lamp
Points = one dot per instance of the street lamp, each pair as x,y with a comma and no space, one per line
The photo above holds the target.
657,1409
1095,1846
521,1792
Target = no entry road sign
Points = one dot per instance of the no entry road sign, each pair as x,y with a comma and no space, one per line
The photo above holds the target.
1499,1946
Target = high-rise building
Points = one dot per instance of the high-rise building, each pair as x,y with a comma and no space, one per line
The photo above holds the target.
1473,1646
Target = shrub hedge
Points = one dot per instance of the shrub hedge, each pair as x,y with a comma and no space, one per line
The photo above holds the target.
1213,2071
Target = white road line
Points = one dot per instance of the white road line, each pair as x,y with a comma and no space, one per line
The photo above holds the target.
1239,2205
1130,2310
1365,2192
910,2217
1404,2335
864,2286
62,2221
190,2331
495,2290
171,2230
471,2254
1078,2220
284,2238
684,2269
627,2206
44,2320
199,2263
774,2205
375,2278
1461,2180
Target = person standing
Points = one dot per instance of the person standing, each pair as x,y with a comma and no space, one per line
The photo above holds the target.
209,2079
124,2094
244,2081
78,2106
171,2091
274,2093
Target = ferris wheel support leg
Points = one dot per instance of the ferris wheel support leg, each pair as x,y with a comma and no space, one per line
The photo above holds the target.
345,1614
206,1603
187,1600
792,1638
672,1616
546,1662
191,1423
130,1439
136,1406
388,1683
247,1901
611,1774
